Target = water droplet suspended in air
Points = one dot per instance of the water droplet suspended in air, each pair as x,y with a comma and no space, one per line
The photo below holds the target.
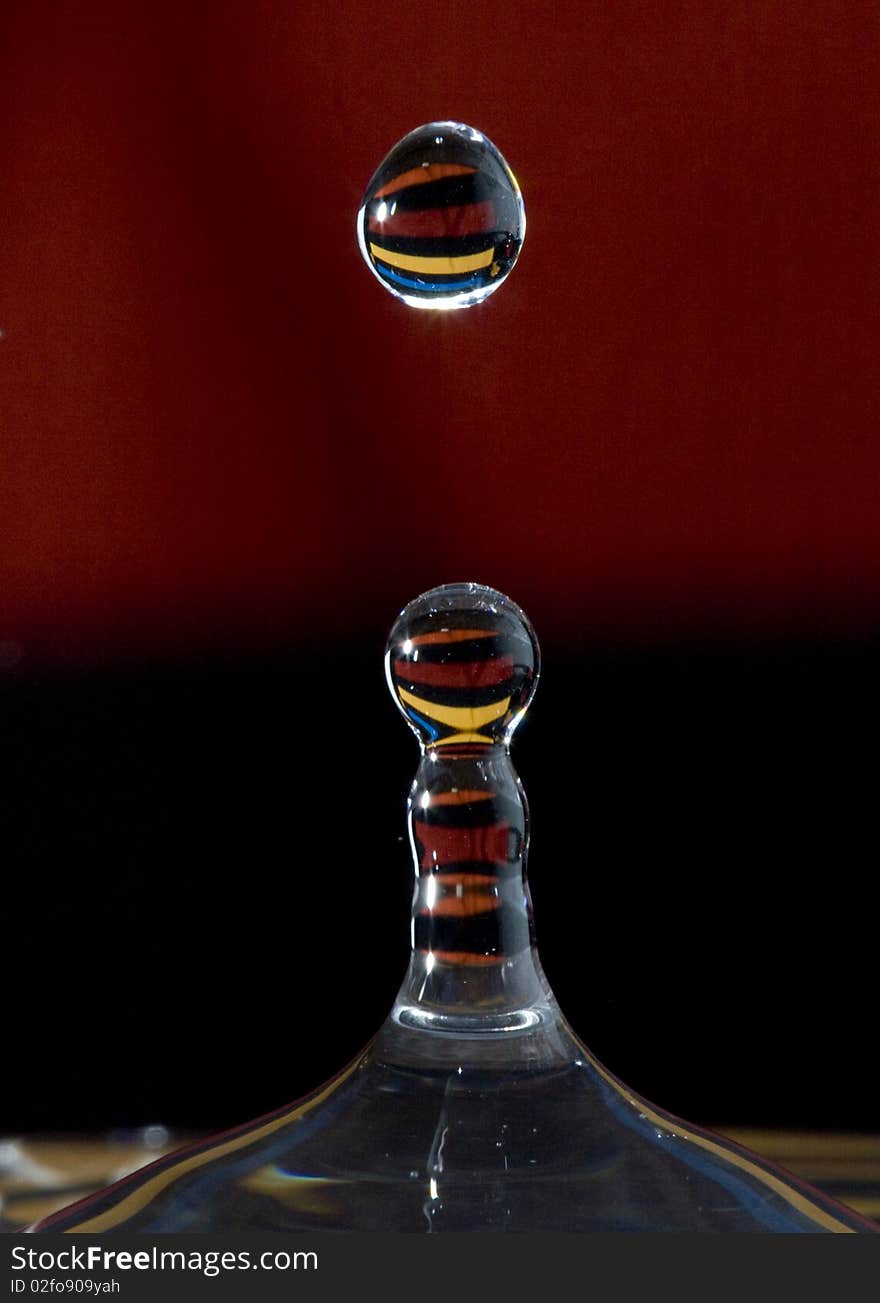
442,221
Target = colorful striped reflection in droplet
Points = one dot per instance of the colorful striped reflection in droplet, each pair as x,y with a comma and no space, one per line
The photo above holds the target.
442,220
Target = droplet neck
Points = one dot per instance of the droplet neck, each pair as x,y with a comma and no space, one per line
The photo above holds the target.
474,967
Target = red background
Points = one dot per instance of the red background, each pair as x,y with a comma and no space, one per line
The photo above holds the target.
219,430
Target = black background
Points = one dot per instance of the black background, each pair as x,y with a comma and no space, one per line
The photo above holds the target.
207,891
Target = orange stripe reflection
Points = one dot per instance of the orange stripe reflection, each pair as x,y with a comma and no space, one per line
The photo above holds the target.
464,957
466,906
464,879
459,796
450,635
421,175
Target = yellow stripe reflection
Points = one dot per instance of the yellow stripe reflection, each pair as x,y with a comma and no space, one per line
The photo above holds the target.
458,738
435,266
867,1207
139,1198
464,718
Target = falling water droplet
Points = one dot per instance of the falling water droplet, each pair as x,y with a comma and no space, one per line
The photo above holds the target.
442,221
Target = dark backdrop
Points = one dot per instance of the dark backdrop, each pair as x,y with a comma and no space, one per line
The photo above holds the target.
229,458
